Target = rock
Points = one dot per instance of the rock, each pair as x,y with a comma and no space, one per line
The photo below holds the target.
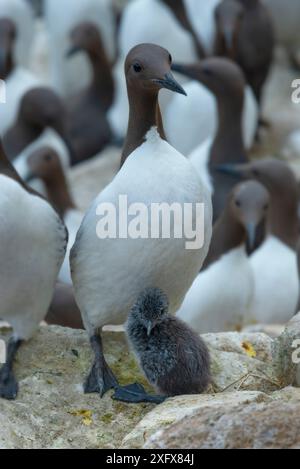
242,362
265,423
284,352
178,408
51,410
272,330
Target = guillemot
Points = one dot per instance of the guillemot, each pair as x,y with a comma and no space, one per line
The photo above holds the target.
221,295
109,274
33,242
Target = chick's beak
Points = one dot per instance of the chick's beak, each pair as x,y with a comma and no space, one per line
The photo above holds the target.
169,83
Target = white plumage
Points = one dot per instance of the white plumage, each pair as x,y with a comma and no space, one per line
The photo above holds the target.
276,290
201,15
220,296
33,241
109,274
188,123
73,219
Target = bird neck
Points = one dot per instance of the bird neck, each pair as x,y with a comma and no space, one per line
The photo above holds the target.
249,3
102,84
284,223
228,145
20,136
10,65
6,168
228,234
144,113
179,10
58,193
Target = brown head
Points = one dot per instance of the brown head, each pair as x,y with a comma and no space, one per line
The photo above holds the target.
248,204
221,76
45,164
281,183
86,37
8,36
41,108
229,15
148,70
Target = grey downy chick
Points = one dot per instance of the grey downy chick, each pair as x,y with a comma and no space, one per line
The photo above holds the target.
173,357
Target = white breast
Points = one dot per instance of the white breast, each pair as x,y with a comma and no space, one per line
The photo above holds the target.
189,122
220,296
72,219
109,274
32,248
201,15
276,283
17,84
157,25
68,76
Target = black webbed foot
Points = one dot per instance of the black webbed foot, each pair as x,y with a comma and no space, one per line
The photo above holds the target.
8,384
100,380
134,394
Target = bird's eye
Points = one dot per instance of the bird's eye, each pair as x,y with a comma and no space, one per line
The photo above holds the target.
207,71
137,68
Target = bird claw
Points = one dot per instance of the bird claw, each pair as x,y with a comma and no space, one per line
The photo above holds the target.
134,394
8,384
99,381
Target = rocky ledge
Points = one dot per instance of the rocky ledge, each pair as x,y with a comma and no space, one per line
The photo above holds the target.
252,403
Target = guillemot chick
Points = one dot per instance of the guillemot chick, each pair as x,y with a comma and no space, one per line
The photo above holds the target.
173,357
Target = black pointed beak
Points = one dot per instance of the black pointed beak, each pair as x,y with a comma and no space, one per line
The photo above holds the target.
186,70
4,54
72,51
169,83
251,238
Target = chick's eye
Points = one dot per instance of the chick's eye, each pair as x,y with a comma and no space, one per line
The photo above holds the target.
137,68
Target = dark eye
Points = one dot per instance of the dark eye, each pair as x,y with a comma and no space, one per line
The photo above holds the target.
47,158
238,203
207,71
137,68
